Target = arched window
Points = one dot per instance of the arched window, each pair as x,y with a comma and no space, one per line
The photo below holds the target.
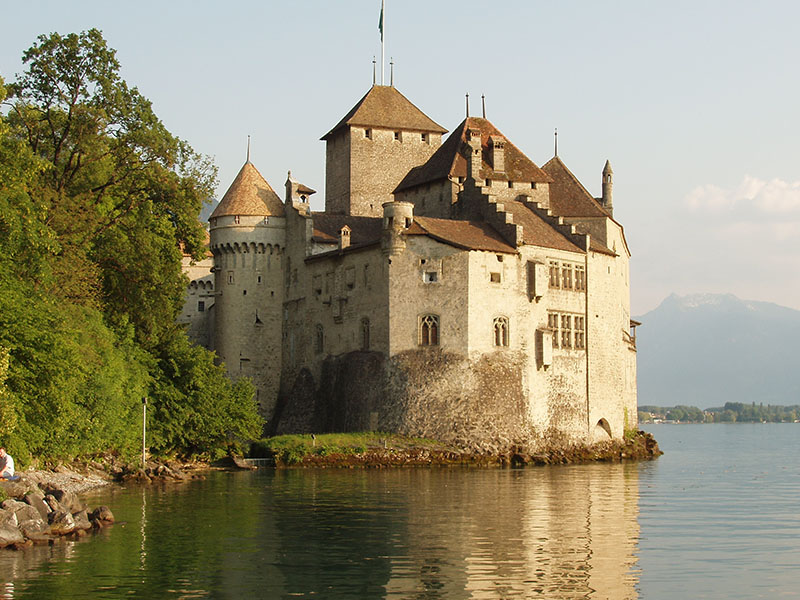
501,331
429,330
319,345
365,334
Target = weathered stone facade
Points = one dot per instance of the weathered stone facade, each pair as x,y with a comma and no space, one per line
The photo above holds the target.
451,290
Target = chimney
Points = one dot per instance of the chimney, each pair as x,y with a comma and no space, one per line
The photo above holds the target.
476,156
498,146
344,237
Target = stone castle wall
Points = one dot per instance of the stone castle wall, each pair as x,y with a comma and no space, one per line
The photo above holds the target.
366,165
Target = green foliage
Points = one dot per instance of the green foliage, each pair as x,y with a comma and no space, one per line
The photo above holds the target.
197,410
753,413
291,449
732,412
96,200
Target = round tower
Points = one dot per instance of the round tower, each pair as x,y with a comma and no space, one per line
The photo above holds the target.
248,232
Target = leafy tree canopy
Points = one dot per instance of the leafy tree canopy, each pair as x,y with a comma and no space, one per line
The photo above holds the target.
97,201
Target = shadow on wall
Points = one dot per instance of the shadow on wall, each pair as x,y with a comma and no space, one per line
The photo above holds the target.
420,393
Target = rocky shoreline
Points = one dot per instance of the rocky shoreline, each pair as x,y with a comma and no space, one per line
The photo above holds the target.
41,510
44,506
640,446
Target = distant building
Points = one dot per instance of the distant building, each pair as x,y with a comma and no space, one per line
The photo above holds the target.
451,289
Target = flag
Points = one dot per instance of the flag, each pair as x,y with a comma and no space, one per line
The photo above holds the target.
380,22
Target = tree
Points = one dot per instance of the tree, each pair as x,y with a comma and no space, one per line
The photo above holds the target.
123,193
97,199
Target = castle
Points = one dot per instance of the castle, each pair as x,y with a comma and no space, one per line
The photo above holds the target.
451,289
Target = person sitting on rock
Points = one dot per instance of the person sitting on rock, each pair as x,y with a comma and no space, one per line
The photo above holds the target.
6,465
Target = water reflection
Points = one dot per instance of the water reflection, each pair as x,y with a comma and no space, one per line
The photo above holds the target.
566,532
560,532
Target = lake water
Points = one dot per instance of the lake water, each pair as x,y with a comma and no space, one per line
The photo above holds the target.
716,517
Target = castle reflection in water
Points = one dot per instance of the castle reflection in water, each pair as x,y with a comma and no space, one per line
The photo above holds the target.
553,532
564,532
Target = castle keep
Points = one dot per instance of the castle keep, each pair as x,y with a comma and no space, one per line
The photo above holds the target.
451,289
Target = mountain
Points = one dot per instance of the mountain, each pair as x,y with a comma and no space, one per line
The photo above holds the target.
708,349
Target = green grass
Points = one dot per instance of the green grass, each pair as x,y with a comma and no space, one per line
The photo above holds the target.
291,449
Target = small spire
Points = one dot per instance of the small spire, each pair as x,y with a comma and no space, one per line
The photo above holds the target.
391,71
555,135
373,70
468,105
483,105
248,148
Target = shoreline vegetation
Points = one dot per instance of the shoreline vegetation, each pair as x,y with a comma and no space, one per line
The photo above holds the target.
379,450
731,412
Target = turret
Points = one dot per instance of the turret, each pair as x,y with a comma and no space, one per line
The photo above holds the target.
248,232
297,194
608,184
397,217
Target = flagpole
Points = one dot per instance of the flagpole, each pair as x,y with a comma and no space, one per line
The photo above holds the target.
383,38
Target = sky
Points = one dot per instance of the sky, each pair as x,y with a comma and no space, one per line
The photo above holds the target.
695,103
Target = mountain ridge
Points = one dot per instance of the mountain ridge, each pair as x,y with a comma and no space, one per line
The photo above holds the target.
708,349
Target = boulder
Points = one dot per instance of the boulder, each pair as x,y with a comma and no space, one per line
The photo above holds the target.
33,527
101,516
14,489
54,504
41,539
25,512
82,521
8,517
68,500
12,504
10,535
61,522
36,500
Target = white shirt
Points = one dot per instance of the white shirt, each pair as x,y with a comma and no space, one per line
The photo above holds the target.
7,466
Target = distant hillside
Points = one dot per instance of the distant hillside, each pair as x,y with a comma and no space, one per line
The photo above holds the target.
208,208
709,349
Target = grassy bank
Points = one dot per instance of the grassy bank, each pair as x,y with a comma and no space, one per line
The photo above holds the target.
376,449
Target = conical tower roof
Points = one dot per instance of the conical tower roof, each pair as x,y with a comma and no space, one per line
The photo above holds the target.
249,194
383,106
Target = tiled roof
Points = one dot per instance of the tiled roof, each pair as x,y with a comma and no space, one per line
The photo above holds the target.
470,235
385,107
535,230
448,161
568,197
363,230
249,194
